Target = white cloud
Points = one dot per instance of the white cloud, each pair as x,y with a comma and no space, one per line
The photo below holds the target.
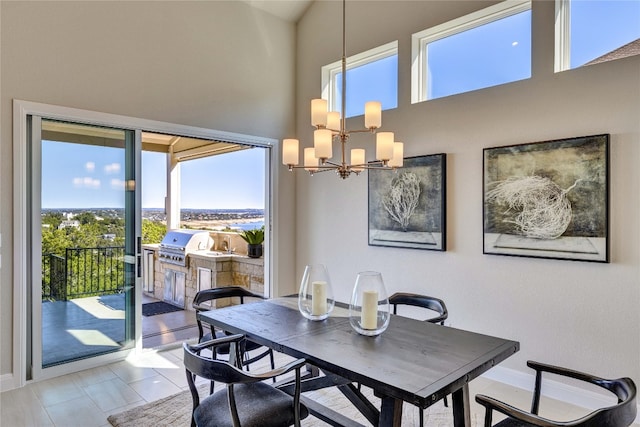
112,168
86,182
90,166
117,184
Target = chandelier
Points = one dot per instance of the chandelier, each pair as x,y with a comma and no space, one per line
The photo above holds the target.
330,127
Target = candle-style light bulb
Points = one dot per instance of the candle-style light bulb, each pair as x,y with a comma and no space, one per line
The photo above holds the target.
372,115
333,120
322,143
398,154
319,112
384,146
310,160
357,158
290,152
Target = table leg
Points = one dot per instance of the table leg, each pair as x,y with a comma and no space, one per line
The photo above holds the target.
390,412
461,407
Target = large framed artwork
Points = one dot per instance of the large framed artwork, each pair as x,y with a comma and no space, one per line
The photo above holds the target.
407,208
548,199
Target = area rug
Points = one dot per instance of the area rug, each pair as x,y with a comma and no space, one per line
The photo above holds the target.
176,411
160,307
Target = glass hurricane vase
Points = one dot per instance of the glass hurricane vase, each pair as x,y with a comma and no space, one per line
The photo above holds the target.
369,307
315,298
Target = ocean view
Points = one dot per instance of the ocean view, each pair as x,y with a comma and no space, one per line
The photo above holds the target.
206,219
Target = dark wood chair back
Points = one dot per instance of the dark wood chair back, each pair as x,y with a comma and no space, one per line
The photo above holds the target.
206,332
208,295
222,407
423,301
622,414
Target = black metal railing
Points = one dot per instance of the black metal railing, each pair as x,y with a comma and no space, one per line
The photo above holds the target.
83,272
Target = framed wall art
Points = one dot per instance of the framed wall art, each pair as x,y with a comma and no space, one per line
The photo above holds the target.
407,208
548,199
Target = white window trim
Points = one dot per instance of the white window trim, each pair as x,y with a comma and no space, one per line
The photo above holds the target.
330,71
562,56
420,40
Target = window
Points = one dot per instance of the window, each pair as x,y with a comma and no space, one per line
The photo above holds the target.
483,49
593,31
371,76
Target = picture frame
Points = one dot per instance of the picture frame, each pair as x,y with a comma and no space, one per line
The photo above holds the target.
548,199
407,207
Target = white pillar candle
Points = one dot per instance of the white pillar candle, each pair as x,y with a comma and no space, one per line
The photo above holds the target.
369,315
318,298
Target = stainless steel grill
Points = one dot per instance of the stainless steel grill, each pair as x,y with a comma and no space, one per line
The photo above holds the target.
177,244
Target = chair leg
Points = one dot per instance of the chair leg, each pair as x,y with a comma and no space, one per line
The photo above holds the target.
245,355
446,405
273,364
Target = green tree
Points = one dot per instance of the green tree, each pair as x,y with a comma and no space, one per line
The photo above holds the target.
55,241
53,219
85,218
153,231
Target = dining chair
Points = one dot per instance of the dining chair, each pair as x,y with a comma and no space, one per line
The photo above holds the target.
423,301
206,332
247,400
621,414
435,305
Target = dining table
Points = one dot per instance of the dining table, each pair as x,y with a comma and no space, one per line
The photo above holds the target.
411,361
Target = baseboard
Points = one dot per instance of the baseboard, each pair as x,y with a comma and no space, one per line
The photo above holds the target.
550,388
7,382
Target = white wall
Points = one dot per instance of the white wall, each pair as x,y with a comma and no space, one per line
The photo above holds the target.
225,66
578,314
220,65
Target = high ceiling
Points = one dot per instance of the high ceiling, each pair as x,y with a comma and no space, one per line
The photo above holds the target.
289,10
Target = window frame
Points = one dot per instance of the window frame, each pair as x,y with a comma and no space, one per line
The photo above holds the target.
420,40
331,71
562,51
562,39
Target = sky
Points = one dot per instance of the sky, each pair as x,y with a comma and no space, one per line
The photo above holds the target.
229,181
83,176
86,176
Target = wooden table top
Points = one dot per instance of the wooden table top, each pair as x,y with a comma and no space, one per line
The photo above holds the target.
415,361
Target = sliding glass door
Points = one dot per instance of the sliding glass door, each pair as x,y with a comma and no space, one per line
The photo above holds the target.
85,256
78,226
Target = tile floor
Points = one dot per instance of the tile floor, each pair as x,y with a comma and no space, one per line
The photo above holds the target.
87,398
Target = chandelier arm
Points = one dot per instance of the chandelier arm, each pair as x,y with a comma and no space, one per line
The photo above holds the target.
331,164
324,168
378,165
372,130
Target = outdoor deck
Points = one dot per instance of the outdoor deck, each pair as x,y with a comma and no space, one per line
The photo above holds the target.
84,326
